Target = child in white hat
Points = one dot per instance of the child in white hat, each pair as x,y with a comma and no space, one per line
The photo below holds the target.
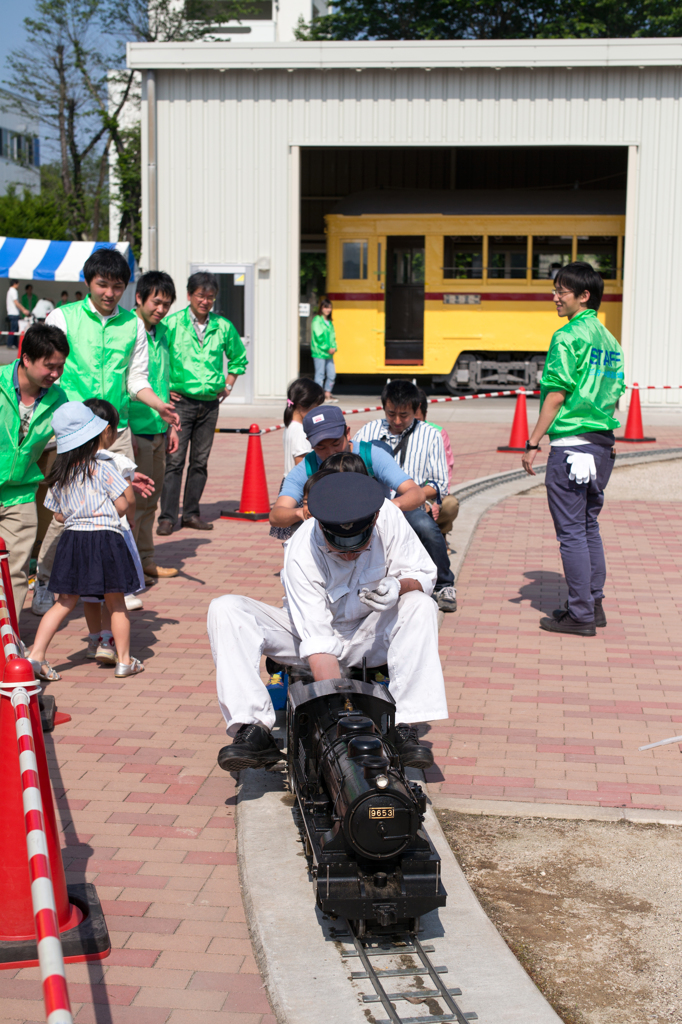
89,496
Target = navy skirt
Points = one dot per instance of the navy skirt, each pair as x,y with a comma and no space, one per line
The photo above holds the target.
93,563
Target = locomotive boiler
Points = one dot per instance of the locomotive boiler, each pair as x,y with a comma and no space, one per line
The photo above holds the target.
370,858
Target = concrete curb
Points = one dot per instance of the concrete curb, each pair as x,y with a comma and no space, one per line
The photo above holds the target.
481,494
299,957
581,812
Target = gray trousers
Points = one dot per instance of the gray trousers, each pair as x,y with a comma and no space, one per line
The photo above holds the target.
575,509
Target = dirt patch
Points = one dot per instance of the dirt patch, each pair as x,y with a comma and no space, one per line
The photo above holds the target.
591,909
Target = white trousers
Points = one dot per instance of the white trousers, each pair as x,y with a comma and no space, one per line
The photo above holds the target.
405,637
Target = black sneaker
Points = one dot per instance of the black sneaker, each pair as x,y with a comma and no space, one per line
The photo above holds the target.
253,747
411,752
599,615
565,623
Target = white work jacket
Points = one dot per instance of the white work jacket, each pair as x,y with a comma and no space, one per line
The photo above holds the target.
322,591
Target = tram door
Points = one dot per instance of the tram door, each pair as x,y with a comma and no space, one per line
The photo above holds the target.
405,299
235,301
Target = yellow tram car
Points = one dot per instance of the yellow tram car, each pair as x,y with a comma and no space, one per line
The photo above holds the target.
458,285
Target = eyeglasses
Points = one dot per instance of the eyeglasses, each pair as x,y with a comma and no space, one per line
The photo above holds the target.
561,292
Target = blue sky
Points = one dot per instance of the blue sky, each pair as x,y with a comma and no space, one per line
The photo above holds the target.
12,35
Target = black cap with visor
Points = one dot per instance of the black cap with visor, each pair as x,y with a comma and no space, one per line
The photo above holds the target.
345,505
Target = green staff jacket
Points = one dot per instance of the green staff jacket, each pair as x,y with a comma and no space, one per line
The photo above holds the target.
586,362
19,474
323,338
97,365
142,419
196,370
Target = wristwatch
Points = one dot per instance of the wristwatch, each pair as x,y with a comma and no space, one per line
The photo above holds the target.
228,387
532,447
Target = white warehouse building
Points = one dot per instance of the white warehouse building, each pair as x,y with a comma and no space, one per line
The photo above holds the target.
247,146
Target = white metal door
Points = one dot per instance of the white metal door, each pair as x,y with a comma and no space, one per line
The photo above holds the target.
236,302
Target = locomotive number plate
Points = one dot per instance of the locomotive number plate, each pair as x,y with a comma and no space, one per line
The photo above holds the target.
382,812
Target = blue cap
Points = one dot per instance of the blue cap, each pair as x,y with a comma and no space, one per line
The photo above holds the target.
74,424
323,422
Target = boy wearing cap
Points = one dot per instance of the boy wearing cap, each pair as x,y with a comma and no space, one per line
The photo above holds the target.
327,432
357,582
28,398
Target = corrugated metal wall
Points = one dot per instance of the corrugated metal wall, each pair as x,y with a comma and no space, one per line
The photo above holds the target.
224,161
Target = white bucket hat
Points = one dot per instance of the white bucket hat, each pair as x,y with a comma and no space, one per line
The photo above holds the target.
74,424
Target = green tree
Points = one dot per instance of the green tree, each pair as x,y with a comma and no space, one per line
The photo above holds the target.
494,19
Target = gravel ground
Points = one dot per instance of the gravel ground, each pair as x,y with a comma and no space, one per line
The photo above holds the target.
591,909
658,481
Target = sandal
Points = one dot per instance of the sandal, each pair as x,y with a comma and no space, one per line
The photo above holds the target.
122,670
43,670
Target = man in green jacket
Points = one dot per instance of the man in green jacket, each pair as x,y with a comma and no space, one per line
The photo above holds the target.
152,437
108,359
581,384
198,341
28,398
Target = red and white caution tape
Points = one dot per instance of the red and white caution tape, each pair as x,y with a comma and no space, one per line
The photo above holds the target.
55,992
653,387
432,401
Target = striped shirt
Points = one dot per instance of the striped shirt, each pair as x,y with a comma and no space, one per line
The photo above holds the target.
424,454
87,503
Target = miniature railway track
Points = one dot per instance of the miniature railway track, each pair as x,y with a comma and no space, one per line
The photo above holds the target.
365,950
477,487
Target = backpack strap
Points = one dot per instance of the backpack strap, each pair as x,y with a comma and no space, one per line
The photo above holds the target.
311,465
366,456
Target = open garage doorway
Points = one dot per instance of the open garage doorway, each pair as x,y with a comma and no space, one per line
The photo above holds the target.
329,176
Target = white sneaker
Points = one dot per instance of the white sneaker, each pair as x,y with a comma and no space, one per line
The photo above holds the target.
133,602
93,646
106,651
43,599
446,599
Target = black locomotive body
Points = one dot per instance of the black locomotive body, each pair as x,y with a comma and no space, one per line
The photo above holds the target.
372,861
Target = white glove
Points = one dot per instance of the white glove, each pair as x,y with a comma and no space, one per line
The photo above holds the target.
384,596
582,466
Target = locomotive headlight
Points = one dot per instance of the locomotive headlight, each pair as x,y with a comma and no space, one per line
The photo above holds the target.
381,781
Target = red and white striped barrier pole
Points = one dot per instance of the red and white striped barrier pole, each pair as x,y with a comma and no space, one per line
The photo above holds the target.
55,992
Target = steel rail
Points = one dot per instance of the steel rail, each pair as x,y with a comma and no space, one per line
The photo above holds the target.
411,945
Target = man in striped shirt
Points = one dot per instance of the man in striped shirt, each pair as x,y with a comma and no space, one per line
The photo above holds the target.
418,449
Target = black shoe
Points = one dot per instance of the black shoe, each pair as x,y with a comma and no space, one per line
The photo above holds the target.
253,747
565,623
164,528
195,523
410,750
599,615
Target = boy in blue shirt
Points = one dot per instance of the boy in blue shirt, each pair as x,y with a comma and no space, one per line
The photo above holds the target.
328,433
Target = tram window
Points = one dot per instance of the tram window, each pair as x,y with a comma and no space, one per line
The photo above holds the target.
408,264
463,256
551,253
601,252
507,255
355,261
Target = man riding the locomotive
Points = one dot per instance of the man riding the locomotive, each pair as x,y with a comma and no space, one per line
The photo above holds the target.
357,584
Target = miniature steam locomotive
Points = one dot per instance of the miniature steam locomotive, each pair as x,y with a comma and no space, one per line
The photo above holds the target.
370,858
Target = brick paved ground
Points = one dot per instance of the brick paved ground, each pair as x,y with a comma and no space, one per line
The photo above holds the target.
149,817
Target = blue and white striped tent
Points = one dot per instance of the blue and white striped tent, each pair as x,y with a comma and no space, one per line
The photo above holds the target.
36,259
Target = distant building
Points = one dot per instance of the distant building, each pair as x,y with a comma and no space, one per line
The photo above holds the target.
19,147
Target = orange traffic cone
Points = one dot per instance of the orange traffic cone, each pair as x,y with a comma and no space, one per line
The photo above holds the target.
634,430
255,503
519,430
83,930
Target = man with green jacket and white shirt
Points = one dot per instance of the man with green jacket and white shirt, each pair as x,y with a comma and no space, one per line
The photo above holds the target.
152,437
581,384
198,341
29,397
108,359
